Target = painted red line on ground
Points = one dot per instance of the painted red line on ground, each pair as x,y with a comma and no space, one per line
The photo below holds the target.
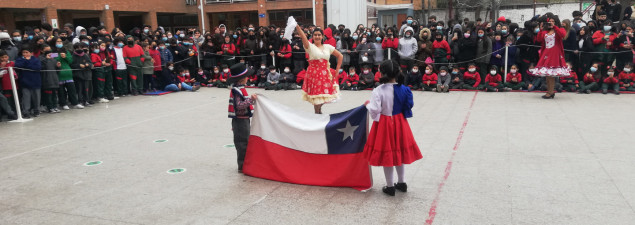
448,168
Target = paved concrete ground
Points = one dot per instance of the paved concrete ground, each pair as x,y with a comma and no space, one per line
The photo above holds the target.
489,158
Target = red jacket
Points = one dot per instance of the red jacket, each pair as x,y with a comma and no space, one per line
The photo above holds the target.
132,52
626,78
102,56
493,81
387,43
430,77
6,80
472,76
183,78
231,49
300,77
598,38
442,45
348,79
611,80
572,77
286,51
377,76
510,76
156,55
590,79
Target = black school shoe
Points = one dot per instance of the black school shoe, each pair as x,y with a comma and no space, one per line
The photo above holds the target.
403,187
389,190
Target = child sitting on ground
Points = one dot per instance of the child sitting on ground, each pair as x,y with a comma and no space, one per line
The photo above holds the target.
179,82
351,81
626,78
471,78
611,81
457,78
273,79
570,83
443,82
494,81
413,78
221,80
590,81
514,80
366,79
287,79
429,79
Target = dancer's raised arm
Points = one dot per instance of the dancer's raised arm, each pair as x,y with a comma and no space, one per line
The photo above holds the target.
305,41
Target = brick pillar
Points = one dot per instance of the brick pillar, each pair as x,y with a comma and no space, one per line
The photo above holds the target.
319,14
107,17
150,18
7,20
51,13
262,10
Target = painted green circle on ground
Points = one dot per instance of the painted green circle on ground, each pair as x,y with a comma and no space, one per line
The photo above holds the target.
177,170
160,141
92,163
229,146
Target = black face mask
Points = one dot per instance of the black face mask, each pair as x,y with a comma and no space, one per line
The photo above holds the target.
439,39
252,37
46,52
79,51
130,42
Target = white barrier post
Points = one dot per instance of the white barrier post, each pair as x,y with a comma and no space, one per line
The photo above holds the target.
273,58
506,66
389,53
18,110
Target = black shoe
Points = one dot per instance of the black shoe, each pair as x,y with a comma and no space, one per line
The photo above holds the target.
604,92
12,116
549,96
26,116
389,190
403,187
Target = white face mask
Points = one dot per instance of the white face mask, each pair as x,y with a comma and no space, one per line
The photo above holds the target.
428,71
513,71
366,71
493,72
272,71
226,70
286,70
216,71
171,68
415,70
609,73
443,73
351,73
471,70
628,70
262,67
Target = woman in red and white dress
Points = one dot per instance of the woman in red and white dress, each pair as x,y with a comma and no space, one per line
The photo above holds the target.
551,63
320,86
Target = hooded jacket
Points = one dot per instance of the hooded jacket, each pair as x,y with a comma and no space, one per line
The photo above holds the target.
407,45
78,31
329,37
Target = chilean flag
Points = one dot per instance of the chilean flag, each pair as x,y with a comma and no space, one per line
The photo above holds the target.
302,148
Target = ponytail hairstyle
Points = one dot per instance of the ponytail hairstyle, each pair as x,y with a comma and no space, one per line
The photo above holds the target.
390,70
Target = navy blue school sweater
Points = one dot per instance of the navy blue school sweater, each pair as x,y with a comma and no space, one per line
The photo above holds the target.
29,78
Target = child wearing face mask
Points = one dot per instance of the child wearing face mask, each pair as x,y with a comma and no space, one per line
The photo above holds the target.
443,82
471,78
30,81
351,81
591,79
273,79
456,77
514,80
148,67
610,81
50,80
82,73
570,83
202,77
221,78
626,78
413,78
367,78
429,79
213,77
179,81
441,49
287,79
252,80
494,81
603,40
262,75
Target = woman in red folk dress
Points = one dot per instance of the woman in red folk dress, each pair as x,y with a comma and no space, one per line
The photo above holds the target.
551,63
320,85
390,141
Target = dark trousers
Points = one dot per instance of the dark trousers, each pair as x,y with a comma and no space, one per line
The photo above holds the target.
4,106
50,98
615,87
592,86
67,92
456,85
147,82
121,78
569,87
99,83
515,86
241,137
9,95
83,90
426,87
31,101
497,88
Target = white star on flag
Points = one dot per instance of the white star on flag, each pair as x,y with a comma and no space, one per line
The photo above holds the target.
348,131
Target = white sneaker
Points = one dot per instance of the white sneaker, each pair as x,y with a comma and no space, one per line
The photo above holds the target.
78,106
103,100
115,97
65,107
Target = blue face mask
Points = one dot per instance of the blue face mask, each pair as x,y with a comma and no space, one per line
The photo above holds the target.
409,21
164,38
378,38
96,51
146,31
86,42
536,30
354,37
162,47
30,37
120,45
59,45
593,69
368,33
439,28
607,28
455,73
481,35
187,43
341,70
17,38
504,31
235,36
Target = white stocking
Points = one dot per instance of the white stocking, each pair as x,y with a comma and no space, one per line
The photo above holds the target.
401,173
388,171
